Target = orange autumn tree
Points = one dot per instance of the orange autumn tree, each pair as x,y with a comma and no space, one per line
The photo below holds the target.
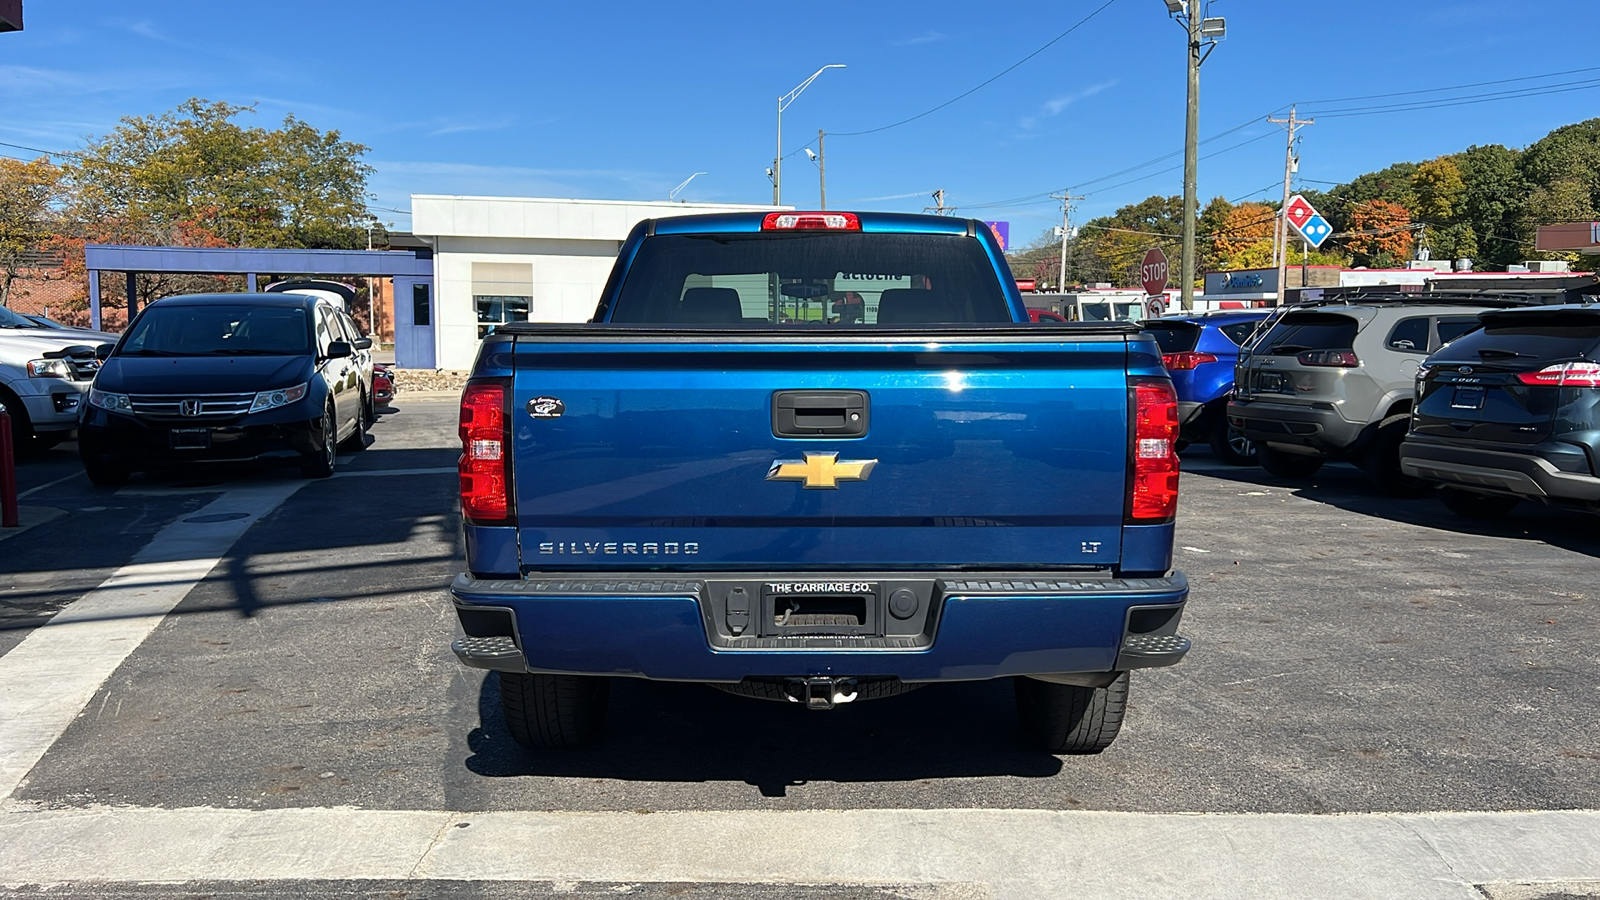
1380,233
1243,239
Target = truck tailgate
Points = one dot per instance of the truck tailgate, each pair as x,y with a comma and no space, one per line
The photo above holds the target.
999,453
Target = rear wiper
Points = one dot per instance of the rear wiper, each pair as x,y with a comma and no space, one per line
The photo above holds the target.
1503,354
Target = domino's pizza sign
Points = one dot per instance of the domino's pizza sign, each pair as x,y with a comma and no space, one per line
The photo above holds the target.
1306,220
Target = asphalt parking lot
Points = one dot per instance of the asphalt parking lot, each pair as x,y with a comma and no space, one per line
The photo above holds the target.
1353,654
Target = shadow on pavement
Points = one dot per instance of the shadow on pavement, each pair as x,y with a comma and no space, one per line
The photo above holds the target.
1345,488
659,731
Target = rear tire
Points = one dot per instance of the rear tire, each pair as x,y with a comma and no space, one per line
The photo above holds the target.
1071,719
553,711
1231,446
1473,505
1382,461
357,441
1287,465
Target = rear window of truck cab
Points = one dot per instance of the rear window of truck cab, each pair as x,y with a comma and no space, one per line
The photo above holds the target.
810,278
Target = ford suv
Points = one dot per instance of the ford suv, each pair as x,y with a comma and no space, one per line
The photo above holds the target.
1512,413
1333,380
44,375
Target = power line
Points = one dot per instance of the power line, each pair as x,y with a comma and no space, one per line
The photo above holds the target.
1467,100
1080,23
1457,87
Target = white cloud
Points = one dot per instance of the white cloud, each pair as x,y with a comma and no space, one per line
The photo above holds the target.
927,37
1054,107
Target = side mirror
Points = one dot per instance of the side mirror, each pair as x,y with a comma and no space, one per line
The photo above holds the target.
103,352
363,343
339,350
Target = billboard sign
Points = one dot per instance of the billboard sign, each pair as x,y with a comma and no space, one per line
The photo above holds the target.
1002,233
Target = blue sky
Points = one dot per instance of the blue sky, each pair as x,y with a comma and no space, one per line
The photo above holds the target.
625,100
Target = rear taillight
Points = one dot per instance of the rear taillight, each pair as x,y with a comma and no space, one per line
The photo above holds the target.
808,221
1337,359
1188,359
1153,491
485,461
1572,374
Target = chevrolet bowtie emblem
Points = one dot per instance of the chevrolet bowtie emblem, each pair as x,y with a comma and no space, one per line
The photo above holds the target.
821,470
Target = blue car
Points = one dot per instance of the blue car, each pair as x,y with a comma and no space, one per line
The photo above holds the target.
1200,352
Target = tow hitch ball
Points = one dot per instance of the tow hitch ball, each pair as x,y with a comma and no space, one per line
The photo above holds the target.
819,692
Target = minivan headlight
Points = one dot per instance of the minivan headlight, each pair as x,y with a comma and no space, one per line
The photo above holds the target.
281,397
108,400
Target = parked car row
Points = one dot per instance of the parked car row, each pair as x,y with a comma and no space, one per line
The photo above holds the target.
1494,398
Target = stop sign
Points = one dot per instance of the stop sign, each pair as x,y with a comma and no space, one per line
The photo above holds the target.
1153,271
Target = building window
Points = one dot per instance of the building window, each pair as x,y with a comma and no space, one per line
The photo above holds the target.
421,314
501,293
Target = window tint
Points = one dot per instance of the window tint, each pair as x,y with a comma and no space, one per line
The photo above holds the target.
1529,337
1452,328
1409,335
1174,337
1299,332
219,331
816,278
1239,332
324,332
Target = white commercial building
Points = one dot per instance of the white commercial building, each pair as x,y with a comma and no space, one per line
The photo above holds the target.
513,259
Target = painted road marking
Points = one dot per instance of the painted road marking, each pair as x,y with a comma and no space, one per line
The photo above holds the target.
1024,854
46,680
47,484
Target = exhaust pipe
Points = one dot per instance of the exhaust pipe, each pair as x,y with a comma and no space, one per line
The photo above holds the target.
821,692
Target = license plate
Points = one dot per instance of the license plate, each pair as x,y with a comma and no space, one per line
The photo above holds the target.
1269,381
190,438
1467,398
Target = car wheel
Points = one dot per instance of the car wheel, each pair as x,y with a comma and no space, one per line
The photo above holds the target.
1473,505
1231,446
358,440
1069,718
321,465
1287,465
25,442
105,475
1382,461
553,711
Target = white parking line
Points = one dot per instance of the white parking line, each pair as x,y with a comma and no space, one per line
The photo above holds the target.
48,484
47,679
1024,854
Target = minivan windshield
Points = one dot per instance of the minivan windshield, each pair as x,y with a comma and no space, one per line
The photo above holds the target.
840,279
221,330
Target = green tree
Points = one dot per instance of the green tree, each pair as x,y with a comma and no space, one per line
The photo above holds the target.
1492,199
28,192
193,174
1439,190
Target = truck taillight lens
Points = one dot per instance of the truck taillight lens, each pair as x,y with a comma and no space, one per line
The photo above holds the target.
1337,359
485,455
1572,374
1188,359
809,221
1153,491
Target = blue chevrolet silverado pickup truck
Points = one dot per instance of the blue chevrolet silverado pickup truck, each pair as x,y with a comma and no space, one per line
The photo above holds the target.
818,457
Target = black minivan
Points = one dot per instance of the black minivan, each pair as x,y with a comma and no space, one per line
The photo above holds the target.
1511,412
227,378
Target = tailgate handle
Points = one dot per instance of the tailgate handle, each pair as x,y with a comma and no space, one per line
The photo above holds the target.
800,414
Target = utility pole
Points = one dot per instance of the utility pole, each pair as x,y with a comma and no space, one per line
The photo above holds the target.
1280,235
939,208
1066,229
1191,158
822,172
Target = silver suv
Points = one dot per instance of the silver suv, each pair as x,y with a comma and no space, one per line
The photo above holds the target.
44,376
1335,380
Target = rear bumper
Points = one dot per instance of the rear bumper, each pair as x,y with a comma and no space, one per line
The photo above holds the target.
975,627
1321,430
1495,471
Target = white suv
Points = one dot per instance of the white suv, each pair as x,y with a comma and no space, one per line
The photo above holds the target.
44,375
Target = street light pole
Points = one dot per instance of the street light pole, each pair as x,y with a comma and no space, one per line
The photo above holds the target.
777,156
